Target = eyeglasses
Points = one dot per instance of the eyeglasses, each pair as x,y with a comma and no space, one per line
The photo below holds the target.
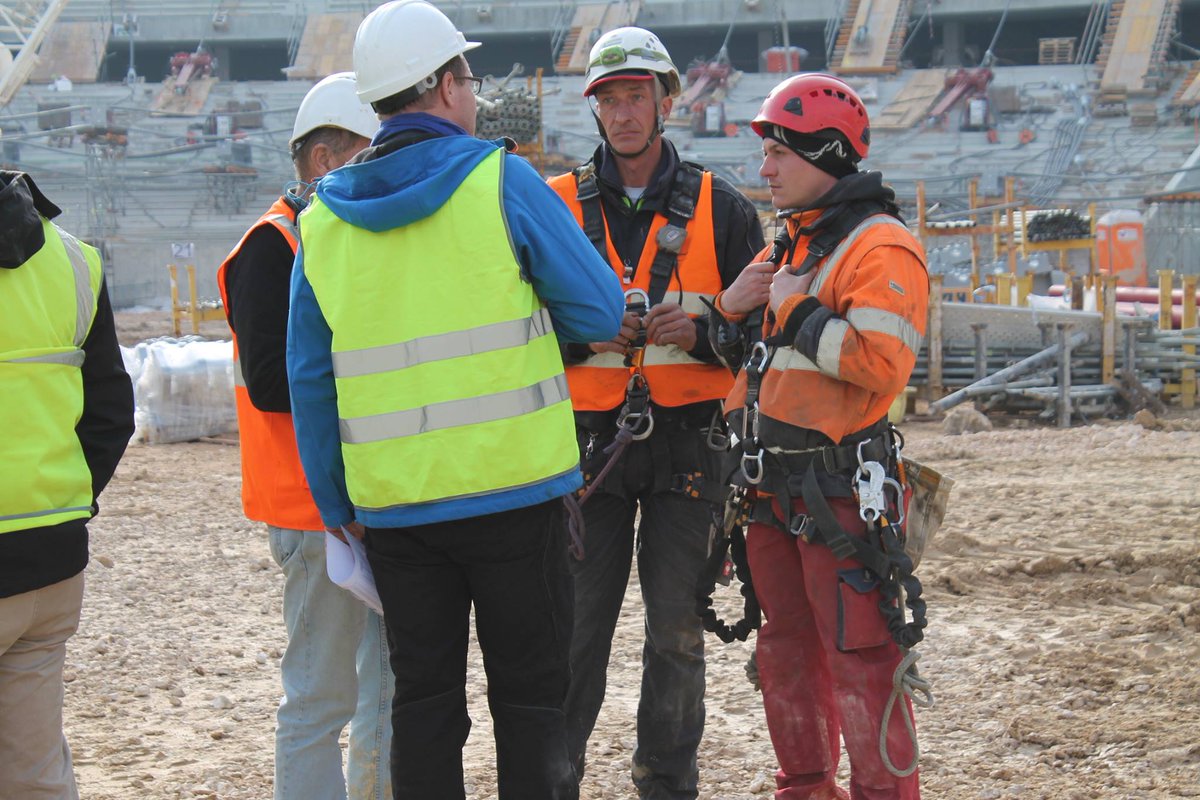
476,83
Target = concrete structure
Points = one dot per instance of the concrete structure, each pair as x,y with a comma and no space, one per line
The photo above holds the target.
135,180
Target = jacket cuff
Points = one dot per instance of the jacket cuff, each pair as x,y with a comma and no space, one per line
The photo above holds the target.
805,322
575,353
728,316
792,313
703,351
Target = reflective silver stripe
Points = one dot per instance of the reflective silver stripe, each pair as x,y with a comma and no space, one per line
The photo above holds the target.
691,302
666,355
238,378
786,358
35,514
85,300
880,321
829,347
606,360
285,221
71,358
484,339
656,356
838,252
455,413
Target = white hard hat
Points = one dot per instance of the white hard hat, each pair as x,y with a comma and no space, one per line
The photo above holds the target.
333,102
400,45
630,53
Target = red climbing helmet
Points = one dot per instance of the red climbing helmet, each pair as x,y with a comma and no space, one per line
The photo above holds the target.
814,102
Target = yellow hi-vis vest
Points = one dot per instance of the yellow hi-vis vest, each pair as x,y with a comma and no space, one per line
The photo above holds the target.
449,380
46,310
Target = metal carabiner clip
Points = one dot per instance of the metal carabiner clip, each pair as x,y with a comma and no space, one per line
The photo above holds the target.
756,461
759,355
868,485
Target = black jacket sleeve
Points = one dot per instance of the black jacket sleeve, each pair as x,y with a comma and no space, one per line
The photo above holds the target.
257,283
107,421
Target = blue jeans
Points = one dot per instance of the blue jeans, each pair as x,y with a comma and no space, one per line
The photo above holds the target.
672,546
335,671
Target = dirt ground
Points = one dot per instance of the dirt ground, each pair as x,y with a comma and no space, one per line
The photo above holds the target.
1064,638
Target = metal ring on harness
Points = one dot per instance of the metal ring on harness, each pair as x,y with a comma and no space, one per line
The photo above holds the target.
640,423
634,293
633,422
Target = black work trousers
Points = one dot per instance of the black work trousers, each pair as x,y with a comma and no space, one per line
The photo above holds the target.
513,567
671,545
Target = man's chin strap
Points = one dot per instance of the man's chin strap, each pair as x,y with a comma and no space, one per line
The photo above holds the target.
658,130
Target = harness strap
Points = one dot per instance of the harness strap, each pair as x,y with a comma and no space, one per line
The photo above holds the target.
681,208
587,193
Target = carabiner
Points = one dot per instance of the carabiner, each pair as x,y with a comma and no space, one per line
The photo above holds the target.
756,461
868,486
760,354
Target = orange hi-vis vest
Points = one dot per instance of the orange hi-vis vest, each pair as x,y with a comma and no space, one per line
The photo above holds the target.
274,489
877,283
675,378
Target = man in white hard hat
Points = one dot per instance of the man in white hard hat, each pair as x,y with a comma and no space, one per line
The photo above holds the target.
335,668
436,275
675,235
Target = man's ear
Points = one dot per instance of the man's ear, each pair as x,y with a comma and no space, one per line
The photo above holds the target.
665,107
446,88
320,159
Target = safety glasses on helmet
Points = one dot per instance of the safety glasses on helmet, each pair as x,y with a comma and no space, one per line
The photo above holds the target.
616,54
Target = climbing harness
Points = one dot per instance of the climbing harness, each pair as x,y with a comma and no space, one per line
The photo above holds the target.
635,420
866,465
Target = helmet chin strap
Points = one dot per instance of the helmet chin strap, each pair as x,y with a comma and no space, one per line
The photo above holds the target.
658,130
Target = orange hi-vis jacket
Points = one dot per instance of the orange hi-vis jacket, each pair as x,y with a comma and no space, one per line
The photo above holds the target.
274,489
675,378
876,283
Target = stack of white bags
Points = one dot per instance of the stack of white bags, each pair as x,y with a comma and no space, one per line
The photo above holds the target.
183,389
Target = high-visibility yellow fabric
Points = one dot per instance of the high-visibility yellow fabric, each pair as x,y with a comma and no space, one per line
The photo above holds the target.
449,379
47,306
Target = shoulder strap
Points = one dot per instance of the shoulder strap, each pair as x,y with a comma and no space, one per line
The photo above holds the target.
587,194
845,220
681,207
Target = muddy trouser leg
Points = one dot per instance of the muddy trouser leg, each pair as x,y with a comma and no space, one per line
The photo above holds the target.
826,662
674,543
600,581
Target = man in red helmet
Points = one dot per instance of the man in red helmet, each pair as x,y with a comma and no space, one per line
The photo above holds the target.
842,298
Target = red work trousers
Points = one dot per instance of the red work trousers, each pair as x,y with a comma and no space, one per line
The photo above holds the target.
825,660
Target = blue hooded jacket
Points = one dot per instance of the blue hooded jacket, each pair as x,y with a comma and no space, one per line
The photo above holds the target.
580,290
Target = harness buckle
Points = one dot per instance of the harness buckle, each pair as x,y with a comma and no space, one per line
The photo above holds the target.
801,526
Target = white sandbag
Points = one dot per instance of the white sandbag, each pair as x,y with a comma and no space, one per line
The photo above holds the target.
183,389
